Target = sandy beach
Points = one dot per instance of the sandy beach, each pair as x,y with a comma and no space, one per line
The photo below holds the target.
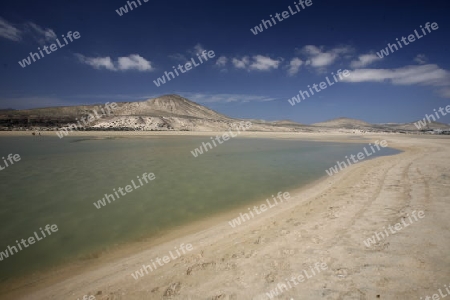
326,222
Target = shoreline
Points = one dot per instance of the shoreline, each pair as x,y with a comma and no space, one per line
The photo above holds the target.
77,266
200,230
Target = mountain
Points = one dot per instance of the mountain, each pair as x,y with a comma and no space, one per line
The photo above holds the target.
410,126
168,112
173,112
346,123
169,106
354,126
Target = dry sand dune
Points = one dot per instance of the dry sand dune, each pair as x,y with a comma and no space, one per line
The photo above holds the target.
326,222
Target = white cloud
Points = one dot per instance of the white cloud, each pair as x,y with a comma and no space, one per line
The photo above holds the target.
421,59
241,63
319,58
9,31
193,52
224,98
198,49
264,63
134,62
427,75
341,50
221,61
311,50
97,62
257,62
131,62
323,60
17,33
41,35
409,75
294,66
364,60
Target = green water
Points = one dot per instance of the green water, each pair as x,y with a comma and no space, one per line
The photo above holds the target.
57,181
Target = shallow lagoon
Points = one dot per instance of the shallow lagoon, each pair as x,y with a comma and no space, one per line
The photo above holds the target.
57,180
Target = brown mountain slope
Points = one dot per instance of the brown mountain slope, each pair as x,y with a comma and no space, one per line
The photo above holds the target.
168,112
169,106
343,123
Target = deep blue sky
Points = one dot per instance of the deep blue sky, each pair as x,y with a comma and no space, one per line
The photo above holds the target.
255,80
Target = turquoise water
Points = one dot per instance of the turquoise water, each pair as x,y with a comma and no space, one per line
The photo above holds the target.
57,181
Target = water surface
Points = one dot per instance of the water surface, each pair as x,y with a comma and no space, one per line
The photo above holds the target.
57,181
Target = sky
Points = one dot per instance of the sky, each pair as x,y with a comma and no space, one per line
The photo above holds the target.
119,55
